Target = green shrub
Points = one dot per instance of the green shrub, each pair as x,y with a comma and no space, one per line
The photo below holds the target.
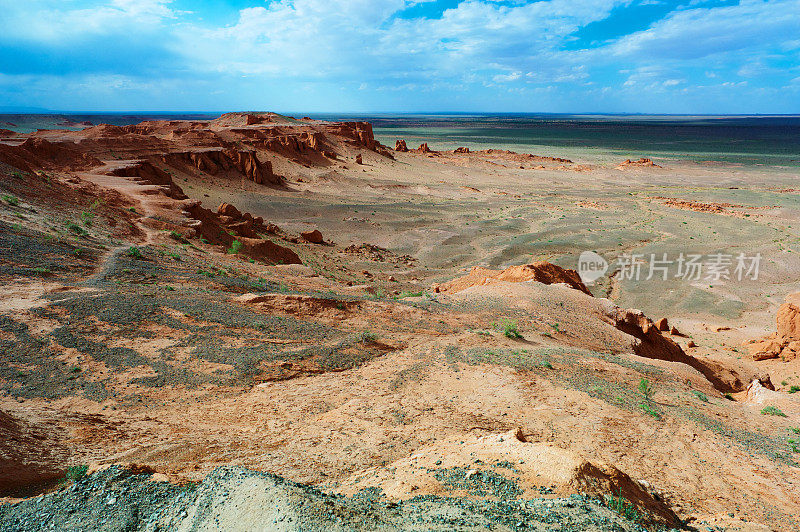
77,229
645,388
510,329
11,200
77,472
700,395
404,294
235,247
367,337
623,507
772,411
134,252
647,409
87,218
794,389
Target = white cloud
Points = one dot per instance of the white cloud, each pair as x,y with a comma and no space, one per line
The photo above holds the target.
476,47
53,21
701,32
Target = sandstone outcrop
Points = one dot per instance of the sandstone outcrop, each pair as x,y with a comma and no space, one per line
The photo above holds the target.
653,344
216,228
314,237
29,455
521,157
150,174
36,153
216,162
542,272
641,163
785,343
461,150
400,146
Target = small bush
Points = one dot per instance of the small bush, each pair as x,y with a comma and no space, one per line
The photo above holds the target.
77,229
77,472
11,200
134,252
647,409
368,337
772,411
700,395
235,247
510,329
794,389
623,507
87,218
645,388
404,294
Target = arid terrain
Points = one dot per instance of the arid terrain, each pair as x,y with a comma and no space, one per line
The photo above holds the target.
388,329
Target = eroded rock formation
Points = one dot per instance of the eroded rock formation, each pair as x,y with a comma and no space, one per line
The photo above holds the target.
542,272
785,343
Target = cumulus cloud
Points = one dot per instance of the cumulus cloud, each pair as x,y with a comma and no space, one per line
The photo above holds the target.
275,49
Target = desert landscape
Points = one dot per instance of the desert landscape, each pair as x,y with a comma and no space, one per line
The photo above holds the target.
265,322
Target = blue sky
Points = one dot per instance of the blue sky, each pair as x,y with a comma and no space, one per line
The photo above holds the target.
638,56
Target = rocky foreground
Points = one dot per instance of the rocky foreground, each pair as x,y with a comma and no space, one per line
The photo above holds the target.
233,498
172,324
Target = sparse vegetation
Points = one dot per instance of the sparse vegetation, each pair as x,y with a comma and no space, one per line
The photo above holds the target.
404,294
235,247
177,236
77,472
367,337
87,217
11,200
647,409
77,229
134,252
772,411
794,389
700,395
510,329
623,507
645,388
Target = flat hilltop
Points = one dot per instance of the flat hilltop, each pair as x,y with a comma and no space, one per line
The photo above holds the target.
267,319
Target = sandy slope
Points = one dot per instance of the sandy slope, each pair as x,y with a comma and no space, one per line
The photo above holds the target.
342,373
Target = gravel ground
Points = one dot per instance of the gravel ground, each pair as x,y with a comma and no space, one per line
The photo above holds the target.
233,498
